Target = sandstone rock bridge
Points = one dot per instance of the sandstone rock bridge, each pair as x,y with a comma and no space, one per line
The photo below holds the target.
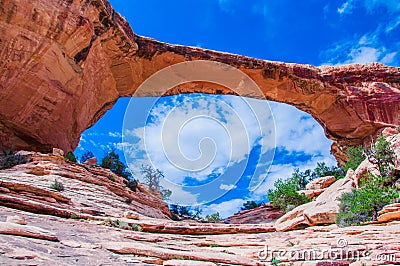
64,63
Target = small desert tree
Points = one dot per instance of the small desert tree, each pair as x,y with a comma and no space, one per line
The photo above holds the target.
213,218
285,195
376,190
356,155
362,205
70,156
86,156
250,204
111,161
152,178
323,170
383,157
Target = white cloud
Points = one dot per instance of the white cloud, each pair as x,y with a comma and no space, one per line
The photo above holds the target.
122,145
225,209
376,45
180,196
114,134
363,55
297,131
346,8
392,6
366,49
392,25
389,58
227,187
204,133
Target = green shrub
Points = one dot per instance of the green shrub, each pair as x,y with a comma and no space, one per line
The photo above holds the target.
122,225
275,261
132,185
137,228
57,185
356,157
70,156
376,191
381,155
320,171
323,170
178,211
362,205
86,156
119,224
111,161
285,195
213,218
251,204
10,158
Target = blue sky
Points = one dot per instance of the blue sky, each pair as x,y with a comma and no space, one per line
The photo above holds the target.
309,32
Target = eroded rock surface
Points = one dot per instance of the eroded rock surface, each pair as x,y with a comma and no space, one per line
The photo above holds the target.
69,61
88,224
88,242
88,190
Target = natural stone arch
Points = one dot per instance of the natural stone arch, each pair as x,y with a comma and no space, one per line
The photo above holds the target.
65,63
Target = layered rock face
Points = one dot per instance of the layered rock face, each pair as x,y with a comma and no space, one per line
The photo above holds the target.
65,63
89,191
47,240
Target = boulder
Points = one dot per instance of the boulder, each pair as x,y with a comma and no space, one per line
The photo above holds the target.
131,215
321,183
326,206
321,211
91,161
294,219
389,213
88,190
58,152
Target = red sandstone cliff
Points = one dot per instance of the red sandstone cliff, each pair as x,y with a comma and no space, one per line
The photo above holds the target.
65,63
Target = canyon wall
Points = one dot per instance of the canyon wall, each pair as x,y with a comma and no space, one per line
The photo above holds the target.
63,64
